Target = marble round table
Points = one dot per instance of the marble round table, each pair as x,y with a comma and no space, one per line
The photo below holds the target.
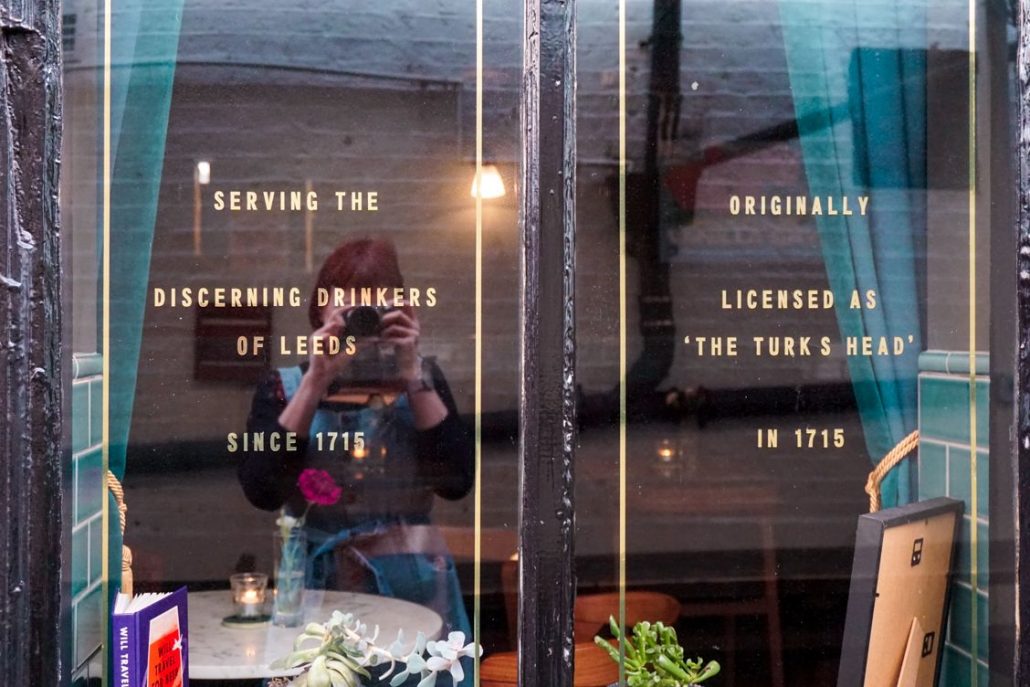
217,652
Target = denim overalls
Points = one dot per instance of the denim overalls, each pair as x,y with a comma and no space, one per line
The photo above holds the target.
422,574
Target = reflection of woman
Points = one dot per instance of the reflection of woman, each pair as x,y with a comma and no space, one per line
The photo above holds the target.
377,538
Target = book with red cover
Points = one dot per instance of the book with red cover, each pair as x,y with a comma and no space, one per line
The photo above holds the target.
149,640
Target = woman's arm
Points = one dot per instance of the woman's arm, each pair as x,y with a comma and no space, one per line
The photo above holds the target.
426,405
446,450
446,453
269,477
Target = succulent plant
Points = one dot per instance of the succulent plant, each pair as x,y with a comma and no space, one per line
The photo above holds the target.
653,657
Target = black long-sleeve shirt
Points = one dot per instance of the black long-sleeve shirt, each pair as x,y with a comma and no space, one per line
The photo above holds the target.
399,482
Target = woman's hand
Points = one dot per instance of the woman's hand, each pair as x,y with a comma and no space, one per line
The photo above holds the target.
325,367
401,328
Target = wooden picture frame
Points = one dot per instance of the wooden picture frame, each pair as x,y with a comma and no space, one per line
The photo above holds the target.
900,593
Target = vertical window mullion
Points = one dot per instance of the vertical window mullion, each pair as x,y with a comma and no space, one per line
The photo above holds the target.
547,395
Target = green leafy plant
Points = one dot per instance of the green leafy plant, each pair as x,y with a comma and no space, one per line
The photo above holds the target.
340,652
654,657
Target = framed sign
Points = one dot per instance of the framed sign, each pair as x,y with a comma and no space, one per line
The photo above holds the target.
900,590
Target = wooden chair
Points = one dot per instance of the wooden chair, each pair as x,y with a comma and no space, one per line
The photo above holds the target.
497,544
761,503
767,605
593,668
592,611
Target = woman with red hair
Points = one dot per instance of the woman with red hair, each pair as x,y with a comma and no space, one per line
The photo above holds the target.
378,537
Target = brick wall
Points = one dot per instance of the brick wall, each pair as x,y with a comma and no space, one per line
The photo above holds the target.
276,128
407,130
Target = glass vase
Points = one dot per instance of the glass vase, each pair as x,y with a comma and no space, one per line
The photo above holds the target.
291,554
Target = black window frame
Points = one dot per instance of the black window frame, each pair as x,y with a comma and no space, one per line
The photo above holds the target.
34,371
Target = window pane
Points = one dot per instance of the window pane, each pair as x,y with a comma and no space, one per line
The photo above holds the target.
278,172
807,262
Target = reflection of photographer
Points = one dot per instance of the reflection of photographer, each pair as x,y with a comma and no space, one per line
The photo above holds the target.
412,443
374,365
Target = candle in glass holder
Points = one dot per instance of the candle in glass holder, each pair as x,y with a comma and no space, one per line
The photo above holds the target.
248,593
666,451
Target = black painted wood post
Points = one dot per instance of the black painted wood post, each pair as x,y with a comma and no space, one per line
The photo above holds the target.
1006,464
30,335
1019,490
547,402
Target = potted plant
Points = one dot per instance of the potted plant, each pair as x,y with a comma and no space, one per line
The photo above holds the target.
653,657
343,653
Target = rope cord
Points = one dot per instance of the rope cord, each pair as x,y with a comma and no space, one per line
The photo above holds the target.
119,496
893,457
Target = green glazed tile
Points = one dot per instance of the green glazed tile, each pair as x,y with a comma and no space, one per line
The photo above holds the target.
983,419
96,412
87,364
80,416
983,556
88,621
960,620
983,485
958,363
944,408
89,485
932,470
983,627
958,475
962,569
933,361
962,562
96,550
80,561
955,669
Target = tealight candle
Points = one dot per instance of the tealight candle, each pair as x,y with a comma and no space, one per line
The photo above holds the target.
248,593
666,451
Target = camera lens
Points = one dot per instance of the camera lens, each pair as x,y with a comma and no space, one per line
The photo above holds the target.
362,321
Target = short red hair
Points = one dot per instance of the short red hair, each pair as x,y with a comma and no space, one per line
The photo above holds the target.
358,263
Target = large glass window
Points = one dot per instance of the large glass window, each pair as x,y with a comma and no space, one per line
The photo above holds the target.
291,238
798,198
305,282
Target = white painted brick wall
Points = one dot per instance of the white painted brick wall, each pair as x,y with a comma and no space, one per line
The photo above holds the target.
413,141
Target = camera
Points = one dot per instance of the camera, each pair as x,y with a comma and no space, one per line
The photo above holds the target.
365,321
373,366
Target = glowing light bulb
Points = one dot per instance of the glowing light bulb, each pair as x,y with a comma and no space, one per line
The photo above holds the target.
488,184
203,172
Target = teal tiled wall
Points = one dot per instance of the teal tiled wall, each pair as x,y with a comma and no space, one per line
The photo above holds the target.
87,493
945,453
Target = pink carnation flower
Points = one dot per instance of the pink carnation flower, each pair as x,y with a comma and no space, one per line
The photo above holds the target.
318,487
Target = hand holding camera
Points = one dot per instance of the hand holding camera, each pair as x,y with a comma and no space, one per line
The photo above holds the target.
402,329
385,355
324,368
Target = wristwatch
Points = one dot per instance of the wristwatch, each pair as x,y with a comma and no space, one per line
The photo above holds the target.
424,382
